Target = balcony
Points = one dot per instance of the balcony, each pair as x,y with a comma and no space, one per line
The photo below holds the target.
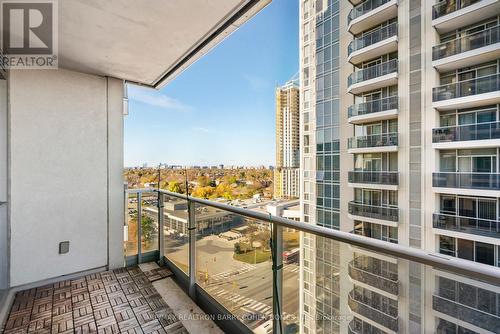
488,184
377,110
62,266
202,266
357,326
386,142
479,135
126,300
373,77
467,93
448,15
382,214
371,13
374,44
374,179
467,314
367,270
477,48
364,309
477,226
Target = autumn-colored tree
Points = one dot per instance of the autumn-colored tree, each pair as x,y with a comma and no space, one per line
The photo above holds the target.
203,192
174,187
203,181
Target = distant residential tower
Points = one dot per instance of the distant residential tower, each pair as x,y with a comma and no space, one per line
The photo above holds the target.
286,174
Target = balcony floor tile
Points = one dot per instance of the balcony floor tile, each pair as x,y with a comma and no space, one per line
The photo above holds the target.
118,301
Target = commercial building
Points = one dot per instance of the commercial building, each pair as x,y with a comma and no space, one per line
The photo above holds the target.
209,220
399,142
286,173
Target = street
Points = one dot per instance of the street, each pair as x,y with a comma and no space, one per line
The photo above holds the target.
244,289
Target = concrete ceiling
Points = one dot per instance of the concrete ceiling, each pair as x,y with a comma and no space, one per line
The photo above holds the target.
145,41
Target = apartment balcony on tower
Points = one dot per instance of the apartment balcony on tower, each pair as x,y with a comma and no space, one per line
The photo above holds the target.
374,74
370,13
468,216
375,170
377,105
376,307
373,43
468,171
381,136
468,128
448,15
469,87
472,304
374,206
468,46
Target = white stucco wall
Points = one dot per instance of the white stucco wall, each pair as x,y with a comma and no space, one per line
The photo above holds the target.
61,164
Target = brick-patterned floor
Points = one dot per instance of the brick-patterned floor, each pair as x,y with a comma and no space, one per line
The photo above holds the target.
118,301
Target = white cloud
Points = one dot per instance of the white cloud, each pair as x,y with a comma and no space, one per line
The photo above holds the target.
156,99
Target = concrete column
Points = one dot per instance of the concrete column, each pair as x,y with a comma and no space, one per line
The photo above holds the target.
116,209
4,231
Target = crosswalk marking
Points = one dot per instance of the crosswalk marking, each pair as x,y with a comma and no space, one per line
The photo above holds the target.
226,274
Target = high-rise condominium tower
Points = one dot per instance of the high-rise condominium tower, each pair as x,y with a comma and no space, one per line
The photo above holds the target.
286,174
400,139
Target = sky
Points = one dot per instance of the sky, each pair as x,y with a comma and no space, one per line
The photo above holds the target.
221,110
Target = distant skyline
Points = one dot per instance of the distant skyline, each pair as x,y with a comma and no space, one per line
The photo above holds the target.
221,110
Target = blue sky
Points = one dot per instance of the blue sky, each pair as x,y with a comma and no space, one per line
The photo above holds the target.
221,109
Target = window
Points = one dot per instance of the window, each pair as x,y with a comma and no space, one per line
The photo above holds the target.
376,231
446,245
465,249
468,249
448,205
485,253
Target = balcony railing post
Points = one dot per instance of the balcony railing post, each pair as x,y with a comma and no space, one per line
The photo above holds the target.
277,257
161,227
139,227
192,248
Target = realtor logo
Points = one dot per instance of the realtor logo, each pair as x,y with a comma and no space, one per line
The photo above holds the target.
29,34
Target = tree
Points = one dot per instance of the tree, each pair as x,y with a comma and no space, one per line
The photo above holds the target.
174,187
148,228
263,238
203,192
203,181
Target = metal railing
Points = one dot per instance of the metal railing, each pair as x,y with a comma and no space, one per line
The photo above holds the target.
365,328
373,37
373,72
384,104
378,140
479,131
370,276
363,8
360,307
449,6
472,225
466,313
373,211
466,180
373,177
481,85
184,255
466,43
